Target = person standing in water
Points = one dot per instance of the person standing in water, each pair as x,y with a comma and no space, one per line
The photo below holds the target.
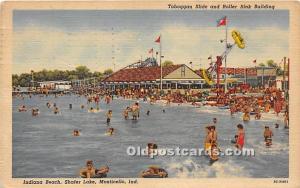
214,135
246,116
286,119
125,112
240,137
108,116
135,111
268,136
208,139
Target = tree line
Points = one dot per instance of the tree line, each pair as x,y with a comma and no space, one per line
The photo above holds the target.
272,64
80,72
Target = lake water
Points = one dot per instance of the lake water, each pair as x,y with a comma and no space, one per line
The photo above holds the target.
44,147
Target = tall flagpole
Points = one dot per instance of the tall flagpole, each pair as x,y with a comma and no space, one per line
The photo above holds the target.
160,64
225,78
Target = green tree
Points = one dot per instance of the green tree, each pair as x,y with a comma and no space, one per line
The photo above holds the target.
108,72
271,63
15,80
72,77
167,63
82,72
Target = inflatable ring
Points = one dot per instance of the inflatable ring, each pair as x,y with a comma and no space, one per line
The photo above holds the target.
209,81
154,175
97,176
238,39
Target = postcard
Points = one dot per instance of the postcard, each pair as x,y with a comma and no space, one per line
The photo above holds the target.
186,93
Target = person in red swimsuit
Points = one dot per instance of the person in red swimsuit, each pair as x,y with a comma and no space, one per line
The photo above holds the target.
241,137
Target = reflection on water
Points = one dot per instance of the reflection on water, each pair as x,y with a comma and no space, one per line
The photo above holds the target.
43,146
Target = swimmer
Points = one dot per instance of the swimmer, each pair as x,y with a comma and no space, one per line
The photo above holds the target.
125,112
215,121
276,125
91,109
135,111
214,153
164,111
70,106
35,111
48,104
82,106
151,148
208,139
235,139
246,116
257,115
286,119
102,171
22,108
268,136
241,137
148,112
214,136
154,171
89,171
76,132
110,131
56,110
108,116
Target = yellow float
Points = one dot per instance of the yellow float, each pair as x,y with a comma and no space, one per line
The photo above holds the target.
206,78
238,39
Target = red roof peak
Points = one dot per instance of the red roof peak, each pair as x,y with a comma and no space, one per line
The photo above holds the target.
141,74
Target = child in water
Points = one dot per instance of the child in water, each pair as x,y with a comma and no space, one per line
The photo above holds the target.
268,136
235,139
108,116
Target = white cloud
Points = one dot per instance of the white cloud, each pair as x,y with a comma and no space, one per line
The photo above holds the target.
37,48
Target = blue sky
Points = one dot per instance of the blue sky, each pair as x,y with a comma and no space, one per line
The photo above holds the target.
64,39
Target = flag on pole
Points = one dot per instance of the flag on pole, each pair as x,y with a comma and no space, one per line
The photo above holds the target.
157,40
222,21
254,61
150,51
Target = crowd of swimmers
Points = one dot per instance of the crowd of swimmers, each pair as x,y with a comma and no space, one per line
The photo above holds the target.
271,99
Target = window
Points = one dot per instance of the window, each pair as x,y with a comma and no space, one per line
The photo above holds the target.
183,71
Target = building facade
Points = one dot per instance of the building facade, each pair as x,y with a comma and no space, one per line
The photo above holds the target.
173,77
